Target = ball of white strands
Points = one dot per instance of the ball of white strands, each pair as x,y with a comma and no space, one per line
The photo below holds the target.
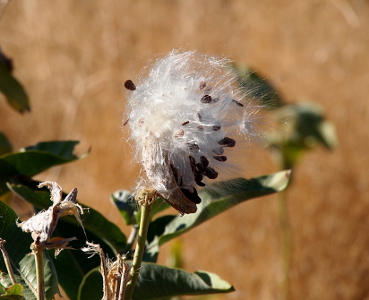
186,119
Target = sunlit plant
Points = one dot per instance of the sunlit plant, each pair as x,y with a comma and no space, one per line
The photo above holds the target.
300,127
189,123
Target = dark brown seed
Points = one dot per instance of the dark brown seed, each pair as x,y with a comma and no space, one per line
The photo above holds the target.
216,127
185,123
200,127
206,99
211,173
129,85
238,103
227,142
180,133
199,116
125,123
193,164
199,169
175,173
193,147
204,161
202,85
218,151
220,158
193,197
198,179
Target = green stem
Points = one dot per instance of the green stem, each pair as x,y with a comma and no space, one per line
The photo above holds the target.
139,251
39,256
286,236
7,261
285,225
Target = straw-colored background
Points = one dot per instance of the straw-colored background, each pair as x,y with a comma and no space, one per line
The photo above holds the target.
73,58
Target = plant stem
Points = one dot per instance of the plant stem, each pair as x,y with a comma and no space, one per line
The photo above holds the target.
38,251
141,240
124,279
7,261
286,236
285,224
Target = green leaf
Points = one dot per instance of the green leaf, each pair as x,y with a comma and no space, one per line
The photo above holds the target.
18,248
36,159
13,90
160,282
129,209
14,292
215,200
302,127
91,286
126,205
5,145
7,171
73,265
257,87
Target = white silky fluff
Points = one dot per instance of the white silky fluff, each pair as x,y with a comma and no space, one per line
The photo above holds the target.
168,97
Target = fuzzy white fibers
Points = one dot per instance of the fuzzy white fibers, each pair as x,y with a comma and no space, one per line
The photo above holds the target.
187,117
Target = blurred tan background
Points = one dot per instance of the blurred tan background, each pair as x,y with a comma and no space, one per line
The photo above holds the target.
74,56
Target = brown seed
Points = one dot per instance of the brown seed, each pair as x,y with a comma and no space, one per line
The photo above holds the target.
238,103
199,169
202,85
204,161
198,179
227,142
129,85
218,151
211,173
185,123
220,158
125,123
180,133
193,197
206,99
200,127
199,116
193,164
193,147
216,127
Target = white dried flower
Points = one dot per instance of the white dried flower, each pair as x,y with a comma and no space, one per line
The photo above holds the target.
186,117
43,224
